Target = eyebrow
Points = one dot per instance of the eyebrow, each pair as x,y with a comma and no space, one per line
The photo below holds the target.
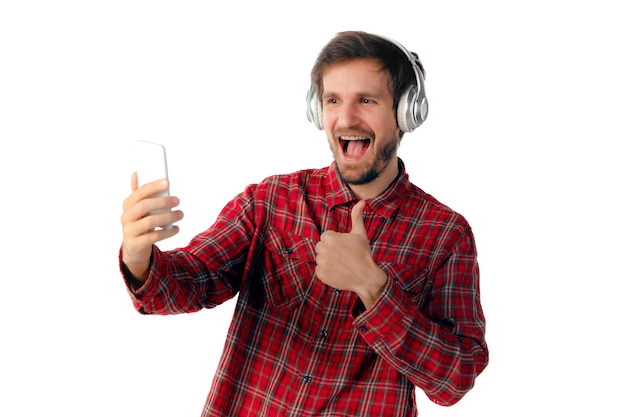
360,94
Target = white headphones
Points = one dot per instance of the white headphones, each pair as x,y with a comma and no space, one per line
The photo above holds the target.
412,107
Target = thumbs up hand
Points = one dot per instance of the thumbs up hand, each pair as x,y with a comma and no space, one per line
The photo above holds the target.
344,260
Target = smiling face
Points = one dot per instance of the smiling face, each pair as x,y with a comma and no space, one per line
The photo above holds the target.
360,123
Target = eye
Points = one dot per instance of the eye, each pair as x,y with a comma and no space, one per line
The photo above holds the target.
366,101
333,101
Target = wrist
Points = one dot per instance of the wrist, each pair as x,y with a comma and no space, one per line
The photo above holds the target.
133,280
137,266
373,289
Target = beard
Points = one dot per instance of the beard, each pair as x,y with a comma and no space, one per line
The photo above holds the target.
372,172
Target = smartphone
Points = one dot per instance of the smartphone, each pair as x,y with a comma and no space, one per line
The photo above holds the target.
151,160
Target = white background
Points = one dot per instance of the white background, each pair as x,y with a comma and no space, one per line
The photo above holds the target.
525,138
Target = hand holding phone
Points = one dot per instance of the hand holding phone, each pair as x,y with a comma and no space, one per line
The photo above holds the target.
151,160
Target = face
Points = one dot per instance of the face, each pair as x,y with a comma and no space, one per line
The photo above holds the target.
360,122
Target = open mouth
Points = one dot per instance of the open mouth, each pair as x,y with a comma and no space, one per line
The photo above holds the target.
354,146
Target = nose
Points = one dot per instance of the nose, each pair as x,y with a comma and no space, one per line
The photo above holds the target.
348,115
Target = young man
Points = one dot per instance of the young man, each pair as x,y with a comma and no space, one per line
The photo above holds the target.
354,286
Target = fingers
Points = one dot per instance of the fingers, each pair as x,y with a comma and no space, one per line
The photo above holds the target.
155,220
147,214
358,226
143,234
140,234
147,190
144,217
140,197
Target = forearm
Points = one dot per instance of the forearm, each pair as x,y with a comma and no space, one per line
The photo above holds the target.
176,283
442,361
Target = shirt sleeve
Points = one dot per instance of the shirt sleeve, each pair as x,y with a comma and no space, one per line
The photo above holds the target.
436,338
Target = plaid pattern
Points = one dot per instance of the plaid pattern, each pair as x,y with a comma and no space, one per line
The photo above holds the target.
297,347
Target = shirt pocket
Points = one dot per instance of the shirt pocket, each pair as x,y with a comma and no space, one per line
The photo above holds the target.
412,280
289,268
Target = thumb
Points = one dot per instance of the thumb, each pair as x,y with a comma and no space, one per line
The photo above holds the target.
358,226
134,184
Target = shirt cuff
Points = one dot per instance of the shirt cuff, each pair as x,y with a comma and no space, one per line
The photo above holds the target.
138,289
384,317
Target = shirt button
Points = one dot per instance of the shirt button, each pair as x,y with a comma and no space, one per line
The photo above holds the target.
324,333
363,328
288,251
337,291
307,379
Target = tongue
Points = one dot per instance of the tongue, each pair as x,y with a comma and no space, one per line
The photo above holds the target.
356,148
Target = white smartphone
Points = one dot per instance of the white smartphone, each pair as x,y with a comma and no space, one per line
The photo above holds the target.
151,161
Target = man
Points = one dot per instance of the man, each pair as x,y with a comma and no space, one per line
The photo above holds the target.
354,286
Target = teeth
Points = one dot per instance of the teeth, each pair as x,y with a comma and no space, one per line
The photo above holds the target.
353,138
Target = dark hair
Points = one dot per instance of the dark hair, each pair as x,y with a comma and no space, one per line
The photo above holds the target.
349,45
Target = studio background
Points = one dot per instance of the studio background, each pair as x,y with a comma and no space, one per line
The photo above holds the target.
525,139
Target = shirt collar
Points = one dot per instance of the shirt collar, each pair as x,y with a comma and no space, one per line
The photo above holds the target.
385,205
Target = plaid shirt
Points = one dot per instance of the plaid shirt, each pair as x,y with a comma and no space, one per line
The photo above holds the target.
297,347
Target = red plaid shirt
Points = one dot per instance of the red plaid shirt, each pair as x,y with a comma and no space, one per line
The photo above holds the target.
297,347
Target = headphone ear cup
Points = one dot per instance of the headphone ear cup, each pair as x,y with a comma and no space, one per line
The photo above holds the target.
412,109
403,115
318,115
314,109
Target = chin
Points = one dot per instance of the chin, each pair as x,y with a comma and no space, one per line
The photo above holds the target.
357,176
